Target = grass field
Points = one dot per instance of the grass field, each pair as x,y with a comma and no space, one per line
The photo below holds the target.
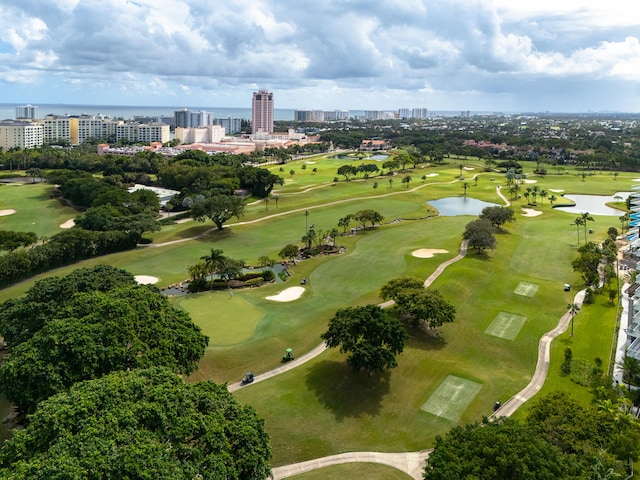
452,397
505,301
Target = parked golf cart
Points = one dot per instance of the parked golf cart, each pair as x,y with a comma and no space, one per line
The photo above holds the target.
248,378
288,356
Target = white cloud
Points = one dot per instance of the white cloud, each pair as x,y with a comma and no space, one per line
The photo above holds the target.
333,53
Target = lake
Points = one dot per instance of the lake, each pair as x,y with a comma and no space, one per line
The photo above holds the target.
594,204
452,206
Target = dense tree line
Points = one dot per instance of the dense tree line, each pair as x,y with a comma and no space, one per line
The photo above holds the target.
140,424
560,438
94,360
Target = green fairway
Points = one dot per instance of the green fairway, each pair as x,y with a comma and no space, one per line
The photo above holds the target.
506,325
35,210
452,397
232,321
505,301
526,289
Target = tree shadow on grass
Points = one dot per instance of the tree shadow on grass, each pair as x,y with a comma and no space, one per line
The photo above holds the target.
478,254
422,339
346,393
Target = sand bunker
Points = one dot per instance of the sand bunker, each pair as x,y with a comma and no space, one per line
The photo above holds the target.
310,163
287,295
530,212
468,168
427,252
526,180
556,190
432,175
68,224
146,279
8,211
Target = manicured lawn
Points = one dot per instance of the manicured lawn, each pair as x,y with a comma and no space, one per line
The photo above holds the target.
321,407
35,210
369,471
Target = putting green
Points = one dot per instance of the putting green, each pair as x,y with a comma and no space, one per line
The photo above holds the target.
452,397
526,289
506,325
227,318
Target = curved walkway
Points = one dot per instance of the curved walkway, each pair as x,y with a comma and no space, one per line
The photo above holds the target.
413,463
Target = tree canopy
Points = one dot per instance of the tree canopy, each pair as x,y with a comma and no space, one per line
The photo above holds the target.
370,336
87,334
218,208
418,304
497,215
503,449
140,424
479,234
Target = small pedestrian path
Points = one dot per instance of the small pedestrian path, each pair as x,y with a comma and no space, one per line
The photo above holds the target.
411,463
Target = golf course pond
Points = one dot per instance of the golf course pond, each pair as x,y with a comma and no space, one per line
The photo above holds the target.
594,204
452,206
378,157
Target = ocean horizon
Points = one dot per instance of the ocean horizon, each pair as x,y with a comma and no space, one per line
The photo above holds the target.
128,112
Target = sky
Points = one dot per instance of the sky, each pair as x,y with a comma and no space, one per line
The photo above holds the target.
478,55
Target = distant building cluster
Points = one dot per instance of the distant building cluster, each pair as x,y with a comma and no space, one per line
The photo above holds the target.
28,130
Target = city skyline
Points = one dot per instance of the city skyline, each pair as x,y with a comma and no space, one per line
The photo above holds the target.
491,55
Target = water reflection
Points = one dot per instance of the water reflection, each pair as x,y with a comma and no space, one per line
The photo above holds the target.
594,204
452,206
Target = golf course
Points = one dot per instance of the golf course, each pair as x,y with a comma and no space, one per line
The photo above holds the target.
505,299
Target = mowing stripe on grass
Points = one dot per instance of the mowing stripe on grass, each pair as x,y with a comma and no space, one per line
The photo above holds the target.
506,325
452,398
526,289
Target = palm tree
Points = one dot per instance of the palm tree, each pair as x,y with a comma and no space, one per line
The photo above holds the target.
552,199
406,180
465,185
543,194
586,218
578,222
630,369
573,310
213,261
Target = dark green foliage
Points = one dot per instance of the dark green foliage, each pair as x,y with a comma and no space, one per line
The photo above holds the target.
10,240
63,249
370,336
218,208
504,449
143,424
498,216
479,234
88,332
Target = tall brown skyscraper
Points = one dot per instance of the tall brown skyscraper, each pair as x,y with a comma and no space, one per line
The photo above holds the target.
262,112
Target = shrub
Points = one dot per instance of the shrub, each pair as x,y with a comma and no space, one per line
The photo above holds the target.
253,282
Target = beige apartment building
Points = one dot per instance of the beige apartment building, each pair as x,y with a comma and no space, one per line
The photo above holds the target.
17,134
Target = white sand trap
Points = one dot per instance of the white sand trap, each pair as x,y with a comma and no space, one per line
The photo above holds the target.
68,224
530,212
427,252
309,163
288,295
556,190
468,168
526,180
146,279
432,175
8,211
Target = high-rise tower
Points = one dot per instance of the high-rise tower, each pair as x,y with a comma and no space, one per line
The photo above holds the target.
262,112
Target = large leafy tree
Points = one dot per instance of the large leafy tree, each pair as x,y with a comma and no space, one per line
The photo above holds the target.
92,333
504,449
218,208
498,216
479,234
140,424
416,303
370,336
588,261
